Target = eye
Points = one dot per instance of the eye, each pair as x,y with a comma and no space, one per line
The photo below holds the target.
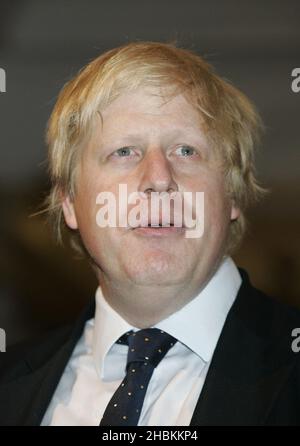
123,152
185,151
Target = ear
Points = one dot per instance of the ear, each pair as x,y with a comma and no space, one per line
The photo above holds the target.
69,212
235,211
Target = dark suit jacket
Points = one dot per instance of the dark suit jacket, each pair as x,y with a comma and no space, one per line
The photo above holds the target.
254,377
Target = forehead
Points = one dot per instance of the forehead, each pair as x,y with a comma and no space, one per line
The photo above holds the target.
149,106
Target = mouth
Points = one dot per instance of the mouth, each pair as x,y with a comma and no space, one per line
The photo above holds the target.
159,230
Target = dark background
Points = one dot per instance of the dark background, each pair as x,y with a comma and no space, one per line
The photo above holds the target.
43,43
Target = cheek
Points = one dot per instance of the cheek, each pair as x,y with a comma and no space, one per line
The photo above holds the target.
217,205
86,211
85,208
89,185
94,237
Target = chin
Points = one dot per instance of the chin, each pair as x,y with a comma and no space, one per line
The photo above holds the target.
155,270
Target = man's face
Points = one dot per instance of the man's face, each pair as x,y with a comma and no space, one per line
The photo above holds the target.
164,149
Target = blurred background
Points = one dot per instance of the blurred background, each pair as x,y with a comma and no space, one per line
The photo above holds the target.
43,43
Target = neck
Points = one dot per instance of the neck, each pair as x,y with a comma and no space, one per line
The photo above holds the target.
145,306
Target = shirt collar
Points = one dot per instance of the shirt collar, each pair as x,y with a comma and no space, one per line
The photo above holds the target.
108,327
197,325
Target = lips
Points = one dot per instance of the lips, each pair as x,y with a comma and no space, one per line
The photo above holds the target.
156,226
160,225
160,230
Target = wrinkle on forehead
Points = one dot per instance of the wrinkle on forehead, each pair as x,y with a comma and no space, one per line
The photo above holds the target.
137,127
152,102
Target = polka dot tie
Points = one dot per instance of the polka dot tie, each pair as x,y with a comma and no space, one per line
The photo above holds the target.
147,348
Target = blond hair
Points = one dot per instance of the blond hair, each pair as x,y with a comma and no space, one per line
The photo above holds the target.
230,119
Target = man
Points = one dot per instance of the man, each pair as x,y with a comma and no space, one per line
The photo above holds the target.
177,334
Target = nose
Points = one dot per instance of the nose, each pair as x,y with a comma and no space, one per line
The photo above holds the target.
157,175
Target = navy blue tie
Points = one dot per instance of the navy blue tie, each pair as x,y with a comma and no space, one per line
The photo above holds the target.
147,348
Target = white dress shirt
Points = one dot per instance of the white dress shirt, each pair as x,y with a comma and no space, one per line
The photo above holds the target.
97,365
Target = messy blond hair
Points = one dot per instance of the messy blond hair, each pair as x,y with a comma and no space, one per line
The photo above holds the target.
230,120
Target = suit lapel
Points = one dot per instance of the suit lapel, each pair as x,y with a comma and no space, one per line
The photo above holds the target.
250,365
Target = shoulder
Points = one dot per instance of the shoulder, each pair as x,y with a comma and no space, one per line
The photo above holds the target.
271,310
22,358
27,357
269,319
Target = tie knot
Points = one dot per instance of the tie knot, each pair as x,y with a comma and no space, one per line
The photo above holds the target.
147,346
